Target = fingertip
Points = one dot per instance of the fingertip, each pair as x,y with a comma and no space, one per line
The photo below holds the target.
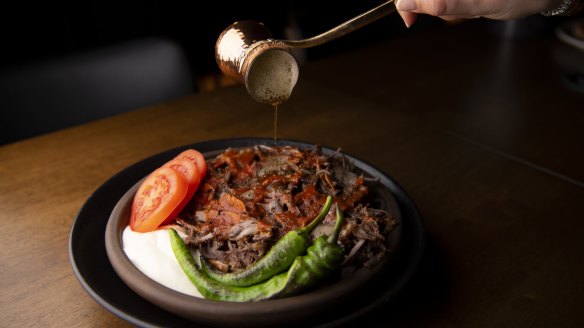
408,18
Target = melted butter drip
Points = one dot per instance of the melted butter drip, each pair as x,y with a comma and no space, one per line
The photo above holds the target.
275,122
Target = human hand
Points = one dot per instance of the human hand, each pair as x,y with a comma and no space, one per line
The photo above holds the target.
463,9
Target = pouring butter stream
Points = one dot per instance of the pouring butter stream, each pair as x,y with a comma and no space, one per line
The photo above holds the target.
271,78
246,52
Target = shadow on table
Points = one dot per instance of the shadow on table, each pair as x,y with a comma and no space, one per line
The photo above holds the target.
422,297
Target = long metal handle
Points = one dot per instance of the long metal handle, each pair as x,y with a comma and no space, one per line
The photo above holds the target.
345,28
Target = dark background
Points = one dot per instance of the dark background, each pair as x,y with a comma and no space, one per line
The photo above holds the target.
48,82
33,33
40,30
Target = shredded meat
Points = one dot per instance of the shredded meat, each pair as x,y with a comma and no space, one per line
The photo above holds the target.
251,197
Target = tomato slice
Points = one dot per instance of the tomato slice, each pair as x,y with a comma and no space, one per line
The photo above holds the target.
157,197
197,158
190,173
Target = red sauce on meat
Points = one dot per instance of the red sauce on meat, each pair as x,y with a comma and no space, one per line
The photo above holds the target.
251,197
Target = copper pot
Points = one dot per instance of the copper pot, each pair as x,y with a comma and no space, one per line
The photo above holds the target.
246,52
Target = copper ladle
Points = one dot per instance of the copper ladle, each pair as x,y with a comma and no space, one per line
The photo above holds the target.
246,52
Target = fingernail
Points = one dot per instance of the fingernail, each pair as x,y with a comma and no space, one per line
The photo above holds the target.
406,5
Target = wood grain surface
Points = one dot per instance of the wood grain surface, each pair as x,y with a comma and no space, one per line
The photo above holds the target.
479,130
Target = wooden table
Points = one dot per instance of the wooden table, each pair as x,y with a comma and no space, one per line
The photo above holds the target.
479,129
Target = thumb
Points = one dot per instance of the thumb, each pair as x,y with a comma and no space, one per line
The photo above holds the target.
439,7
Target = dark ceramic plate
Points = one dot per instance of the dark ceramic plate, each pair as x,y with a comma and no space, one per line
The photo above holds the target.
91,265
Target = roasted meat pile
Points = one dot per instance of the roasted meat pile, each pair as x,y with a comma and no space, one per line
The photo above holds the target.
253,196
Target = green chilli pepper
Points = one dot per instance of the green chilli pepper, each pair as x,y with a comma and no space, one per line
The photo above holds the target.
322,258
277,260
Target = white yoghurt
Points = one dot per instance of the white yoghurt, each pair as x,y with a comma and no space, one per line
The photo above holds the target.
152,254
